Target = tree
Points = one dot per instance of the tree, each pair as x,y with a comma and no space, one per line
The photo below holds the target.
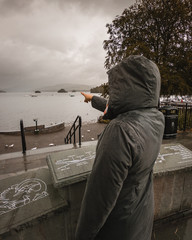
161,30
103,89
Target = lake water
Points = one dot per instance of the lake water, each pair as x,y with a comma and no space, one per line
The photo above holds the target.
49,108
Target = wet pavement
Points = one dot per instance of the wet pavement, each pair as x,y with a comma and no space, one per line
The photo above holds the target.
12,143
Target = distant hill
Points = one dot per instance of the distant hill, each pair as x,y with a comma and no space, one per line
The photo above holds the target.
2,91
68,87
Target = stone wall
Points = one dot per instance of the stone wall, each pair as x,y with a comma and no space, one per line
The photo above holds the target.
33,206
172,193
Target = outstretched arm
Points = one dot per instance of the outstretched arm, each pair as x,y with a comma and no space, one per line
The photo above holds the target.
97,102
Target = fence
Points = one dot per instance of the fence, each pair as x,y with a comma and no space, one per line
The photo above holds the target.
184,114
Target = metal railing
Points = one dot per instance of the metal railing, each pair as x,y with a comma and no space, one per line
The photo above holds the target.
184,114
23,137
72,132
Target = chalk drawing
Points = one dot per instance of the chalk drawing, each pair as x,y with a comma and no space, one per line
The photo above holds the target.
75,160
189,161
21,194
161,157
176,150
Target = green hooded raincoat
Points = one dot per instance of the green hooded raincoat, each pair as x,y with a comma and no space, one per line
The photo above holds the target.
118,201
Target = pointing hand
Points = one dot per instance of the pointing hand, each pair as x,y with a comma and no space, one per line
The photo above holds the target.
87,96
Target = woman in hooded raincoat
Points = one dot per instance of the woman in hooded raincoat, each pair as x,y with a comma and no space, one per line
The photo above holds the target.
118,201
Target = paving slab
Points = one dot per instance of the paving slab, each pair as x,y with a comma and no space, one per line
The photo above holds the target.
173,157
73,165
70,166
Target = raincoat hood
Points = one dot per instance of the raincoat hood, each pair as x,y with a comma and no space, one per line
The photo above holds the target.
133,84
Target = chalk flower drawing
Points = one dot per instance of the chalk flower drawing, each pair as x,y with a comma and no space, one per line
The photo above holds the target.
75,160
21,194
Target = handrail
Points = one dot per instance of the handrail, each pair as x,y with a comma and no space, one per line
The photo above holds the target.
72,132
23,136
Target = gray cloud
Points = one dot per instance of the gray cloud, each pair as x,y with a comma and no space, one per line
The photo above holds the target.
14,6
45,42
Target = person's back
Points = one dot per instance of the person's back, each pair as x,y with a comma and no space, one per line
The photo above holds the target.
134,206
118,203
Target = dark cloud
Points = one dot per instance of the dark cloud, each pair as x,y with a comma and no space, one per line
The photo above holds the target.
106,7
44,41
14,6
109,7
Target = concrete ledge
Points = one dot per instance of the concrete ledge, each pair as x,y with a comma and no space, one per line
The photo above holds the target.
33,207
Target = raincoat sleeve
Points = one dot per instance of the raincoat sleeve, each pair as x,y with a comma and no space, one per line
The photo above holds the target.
105,182
99,103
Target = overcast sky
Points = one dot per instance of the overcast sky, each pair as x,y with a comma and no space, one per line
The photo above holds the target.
49,42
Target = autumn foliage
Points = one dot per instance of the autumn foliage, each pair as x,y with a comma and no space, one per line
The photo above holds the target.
161,30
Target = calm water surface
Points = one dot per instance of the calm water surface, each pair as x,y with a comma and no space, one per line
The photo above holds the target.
48,108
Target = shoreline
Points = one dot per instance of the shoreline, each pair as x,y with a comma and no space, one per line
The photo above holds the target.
10,143
48,108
